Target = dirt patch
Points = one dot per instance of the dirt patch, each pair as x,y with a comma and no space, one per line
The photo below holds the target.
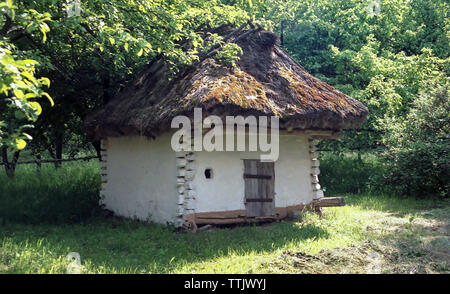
416,245
368,258
352,259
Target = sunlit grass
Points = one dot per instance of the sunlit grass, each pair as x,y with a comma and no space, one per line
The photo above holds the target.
123,246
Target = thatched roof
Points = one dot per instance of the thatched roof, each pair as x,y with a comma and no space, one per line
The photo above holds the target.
264,81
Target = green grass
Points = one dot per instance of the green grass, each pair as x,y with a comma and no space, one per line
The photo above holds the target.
67,194
370,234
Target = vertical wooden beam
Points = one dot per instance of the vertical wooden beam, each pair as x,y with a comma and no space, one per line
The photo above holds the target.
186,166
104,169
315,169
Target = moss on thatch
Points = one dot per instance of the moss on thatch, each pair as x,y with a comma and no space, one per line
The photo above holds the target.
264,81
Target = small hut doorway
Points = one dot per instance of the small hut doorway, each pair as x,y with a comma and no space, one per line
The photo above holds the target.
259,180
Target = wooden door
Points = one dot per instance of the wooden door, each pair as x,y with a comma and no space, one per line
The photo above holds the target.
259,180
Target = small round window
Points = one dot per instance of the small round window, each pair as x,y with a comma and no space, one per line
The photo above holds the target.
208,173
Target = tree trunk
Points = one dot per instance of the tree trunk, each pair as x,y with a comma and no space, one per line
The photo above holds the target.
106,87
58,150
38,163
10,167
283,22
97,146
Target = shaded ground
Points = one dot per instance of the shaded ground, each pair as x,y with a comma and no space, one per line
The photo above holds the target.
417,245
372,234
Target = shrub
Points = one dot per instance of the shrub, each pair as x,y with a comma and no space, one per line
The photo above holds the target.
418,145
349,172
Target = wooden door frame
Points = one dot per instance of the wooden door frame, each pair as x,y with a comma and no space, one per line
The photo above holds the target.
260,188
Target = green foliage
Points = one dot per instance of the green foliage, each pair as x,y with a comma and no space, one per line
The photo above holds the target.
229,54
418,146
67,194
383,60
95,47
19,87
123,31
344,172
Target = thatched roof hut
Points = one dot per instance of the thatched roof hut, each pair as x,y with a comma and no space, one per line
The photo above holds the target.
265,81
148,179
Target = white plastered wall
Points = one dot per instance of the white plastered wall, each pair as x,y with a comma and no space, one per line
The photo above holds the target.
141,178
225,191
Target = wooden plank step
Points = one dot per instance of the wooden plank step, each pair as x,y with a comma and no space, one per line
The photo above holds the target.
249,176
329,202
258,200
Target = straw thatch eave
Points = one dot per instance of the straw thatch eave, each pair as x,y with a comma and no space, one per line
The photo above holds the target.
265,81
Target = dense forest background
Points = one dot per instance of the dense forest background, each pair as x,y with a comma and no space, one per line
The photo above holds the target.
59,60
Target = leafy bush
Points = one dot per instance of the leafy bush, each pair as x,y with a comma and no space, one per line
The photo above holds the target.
418,145
67,194
350,172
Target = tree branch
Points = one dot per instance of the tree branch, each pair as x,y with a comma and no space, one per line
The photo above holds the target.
7,25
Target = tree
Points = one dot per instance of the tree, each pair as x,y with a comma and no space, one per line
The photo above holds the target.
383,59
96,46
418,145
19,87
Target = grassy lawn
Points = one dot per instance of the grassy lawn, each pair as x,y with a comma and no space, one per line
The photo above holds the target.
369,235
